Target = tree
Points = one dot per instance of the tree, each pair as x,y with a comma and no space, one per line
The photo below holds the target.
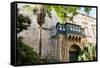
63,12
40,21
22,22
88,53
25,54
87,10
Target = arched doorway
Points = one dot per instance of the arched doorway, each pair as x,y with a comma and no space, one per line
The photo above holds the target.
74,52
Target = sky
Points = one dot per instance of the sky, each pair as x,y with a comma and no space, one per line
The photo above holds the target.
92,12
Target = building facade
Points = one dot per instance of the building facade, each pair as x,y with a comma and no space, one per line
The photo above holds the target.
60,41
89,25
73,36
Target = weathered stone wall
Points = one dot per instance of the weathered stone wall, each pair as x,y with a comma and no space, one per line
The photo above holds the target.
64,46
31,36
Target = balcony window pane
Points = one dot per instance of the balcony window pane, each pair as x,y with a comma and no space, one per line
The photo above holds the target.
63,29
79,30
71,28
60,28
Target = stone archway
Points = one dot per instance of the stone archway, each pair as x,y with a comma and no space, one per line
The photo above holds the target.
68,48
74,52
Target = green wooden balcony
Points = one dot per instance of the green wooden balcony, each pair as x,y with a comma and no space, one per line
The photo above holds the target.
69,28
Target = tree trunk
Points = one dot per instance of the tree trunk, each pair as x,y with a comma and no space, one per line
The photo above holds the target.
40,42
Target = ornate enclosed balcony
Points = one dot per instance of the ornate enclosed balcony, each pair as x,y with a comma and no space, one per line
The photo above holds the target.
69,28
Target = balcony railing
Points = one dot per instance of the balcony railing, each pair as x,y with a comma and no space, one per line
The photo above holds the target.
69,28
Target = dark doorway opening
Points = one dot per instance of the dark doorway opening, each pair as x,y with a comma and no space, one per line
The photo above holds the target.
74,53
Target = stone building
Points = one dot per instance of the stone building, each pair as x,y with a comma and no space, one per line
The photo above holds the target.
89,25
73,36
60,41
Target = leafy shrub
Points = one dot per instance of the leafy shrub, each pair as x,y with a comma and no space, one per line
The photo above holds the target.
25,54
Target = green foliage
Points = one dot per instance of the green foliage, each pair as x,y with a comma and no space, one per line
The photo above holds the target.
25,54
28,8
63,11
88,53
48,10
22,22
87,10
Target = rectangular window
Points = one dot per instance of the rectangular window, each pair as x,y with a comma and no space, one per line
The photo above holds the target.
86,31
94,29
